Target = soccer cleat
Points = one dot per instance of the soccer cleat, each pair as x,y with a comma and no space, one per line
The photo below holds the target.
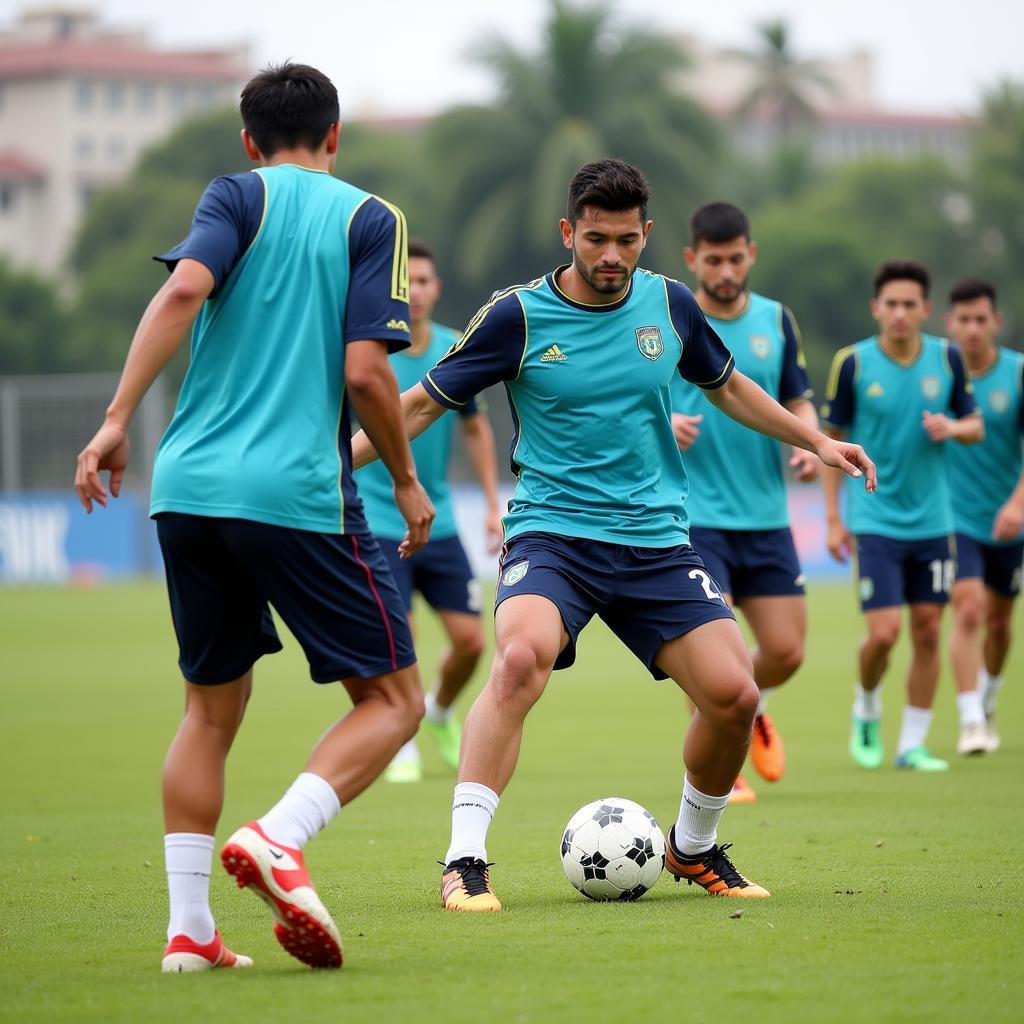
866,742
766,750
278,875
448,736
466,885
184,955
919,760
741,793
992,733
404,771
713,871
973,739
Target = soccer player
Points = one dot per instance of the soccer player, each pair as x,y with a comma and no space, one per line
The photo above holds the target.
739,520
988,508
440,570
296,284
892,392
598,523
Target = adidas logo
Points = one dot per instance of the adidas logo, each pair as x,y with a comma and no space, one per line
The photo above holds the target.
398,325
875,391
554,355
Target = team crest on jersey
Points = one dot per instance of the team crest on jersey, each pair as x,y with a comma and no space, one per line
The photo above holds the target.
515,573
930,387
999,400
761,345
648,340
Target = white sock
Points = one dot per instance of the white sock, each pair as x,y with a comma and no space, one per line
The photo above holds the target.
867,704
433,712
472,809
971,710
188,857
914,730
988,687
764,693
307,808
408,753
697,824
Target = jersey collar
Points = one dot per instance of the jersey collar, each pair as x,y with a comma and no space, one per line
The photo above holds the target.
552,280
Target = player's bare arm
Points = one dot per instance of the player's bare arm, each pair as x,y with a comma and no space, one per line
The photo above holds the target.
371,385
966,430
804,464
480,448
742,400
837,536
419,410
161,331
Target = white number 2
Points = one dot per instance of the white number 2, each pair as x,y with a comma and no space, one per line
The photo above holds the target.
943,572
705,581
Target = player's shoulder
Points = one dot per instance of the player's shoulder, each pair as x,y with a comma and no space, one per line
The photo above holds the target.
855,352
504,305
648,279
242,186
759,303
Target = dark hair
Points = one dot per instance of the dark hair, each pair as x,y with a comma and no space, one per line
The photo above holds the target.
970,288
611,185
420,250
718,222
902,270
287,106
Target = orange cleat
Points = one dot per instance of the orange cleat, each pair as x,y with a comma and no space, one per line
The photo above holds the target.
184,955
712,871
766,750
466,885
741,792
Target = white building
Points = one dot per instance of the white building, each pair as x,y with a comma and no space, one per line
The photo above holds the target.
78,104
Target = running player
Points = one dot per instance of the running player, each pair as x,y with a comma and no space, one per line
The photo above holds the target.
892,393
297,284
988,508
598,524
440,570
739,520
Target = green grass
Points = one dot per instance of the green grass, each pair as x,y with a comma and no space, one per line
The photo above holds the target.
895,897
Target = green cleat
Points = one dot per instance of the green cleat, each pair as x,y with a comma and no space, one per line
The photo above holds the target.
866,742
448,736
404,771
920,760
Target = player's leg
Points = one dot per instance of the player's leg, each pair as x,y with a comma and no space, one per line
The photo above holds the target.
406,765
1003,573
922,681
968,601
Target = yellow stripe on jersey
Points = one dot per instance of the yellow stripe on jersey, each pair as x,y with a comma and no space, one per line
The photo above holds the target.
478,317
833,375
400,260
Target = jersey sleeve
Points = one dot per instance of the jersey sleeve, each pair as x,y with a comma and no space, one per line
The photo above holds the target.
1020,399
705,361
838,408
793,383
961,397
471,408
378,293
226,221
489,352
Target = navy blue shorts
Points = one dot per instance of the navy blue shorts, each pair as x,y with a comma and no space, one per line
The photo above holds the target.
896,572
646,596
440,571
751,563
334,592
999,565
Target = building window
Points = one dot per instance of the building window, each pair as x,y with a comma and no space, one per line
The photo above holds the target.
145,97
84,92
115,95
115,150
7,195
85,148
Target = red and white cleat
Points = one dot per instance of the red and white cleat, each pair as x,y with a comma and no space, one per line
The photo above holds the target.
278,875
184,955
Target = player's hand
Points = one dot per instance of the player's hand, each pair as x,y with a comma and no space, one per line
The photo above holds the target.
851,459
840,544
493,530
418,512
939,426
1009,520
685,428
107,450
804,465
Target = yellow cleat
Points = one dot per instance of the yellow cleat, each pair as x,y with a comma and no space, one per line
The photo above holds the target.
712,871
466,885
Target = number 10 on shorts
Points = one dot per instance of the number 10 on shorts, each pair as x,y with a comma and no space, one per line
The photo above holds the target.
943,573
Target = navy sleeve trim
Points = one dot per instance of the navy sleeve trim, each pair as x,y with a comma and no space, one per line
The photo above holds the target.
704,360
793,383
838,407
961,398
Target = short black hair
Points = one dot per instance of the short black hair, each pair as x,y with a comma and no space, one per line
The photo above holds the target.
718,222
287,106
903,270
611,185
418,249
970,288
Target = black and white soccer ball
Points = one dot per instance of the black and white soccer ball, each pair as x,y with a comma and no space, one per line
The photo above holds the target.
613,849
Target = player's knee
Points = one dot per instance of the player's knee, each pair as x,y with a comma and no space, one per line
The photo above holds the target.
410,709
968,614
521,671
785,658
925,634
884,634
470,646
999,628
735,705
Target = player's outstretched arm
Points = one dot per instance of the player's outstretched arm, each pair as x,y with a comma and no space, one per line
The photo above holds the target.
804,464
837,536
480,448
162,329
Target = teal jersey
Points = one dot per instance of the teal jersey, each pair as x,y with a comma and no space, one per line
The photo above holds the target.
303,264
880,403
590,392
431,452
736,474
984,475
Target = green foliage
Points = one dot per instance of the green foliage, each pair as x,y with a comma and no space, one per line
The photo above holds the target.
32,323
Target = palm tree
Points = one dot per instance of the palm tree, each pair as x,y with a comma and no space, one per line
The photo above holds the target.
591,90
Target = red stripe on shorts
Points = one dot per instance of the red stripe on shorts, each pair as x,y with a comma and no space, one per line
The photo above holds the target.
380,603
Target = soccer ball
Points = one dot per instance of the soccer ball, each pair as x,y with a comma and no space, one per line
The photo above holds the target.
613,849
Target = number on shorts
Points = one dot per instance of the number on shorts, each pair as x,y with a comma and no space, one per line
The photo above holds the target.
705,581
943,573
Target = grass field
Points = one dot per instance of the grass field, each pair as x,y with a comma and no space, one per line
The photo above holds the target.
895,897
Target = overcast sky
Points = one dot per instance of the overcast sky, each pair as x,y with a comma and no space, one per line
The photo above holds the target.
394,56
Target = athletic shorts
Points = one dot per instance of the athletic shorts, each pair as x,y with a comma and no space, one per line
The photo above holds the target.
440,571
334,592
751,563
896,572
646,596
999,565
